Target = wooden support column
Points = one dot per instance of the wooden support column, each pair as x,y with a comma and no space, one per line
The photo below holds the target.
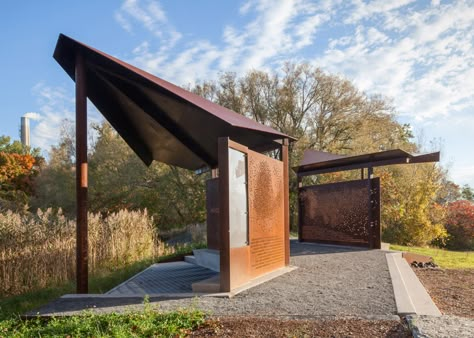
223,158
81,176
286,194
370,218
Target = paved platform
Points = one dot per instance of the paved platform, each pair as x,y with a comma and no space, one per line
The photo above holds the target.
164,278
329,281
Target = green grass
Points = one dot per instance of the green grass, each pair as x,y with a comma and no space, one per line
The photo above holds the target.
444,258
99,283
147,323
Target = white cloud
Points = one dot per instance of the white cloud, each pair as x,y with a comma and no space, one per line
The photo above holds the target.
277,30
150,16
124,23
422,55
463,174
423,58
363,10
54,106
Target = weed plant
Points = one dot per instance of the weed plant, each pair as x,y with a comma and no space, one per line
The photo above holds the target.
146,323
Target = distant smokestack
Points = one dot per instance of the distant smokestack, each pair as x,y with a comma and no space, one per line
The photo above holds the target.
25,131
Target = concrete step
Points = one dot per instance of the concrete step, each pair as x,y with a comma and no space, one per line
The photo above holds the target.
190,259
210,285
410,295
208,258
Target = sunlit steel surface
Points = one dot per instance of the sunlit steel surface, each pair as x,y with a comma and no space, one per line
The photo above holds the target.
266,213
337,213
320,162
160,121
268,228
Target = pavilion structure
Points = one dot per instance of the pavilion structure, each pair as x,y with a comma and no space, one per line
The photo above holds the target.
346,212
248,192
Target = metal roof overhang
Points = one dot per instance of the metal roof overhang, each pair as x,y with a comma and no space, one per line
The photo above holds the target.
158,120
320,162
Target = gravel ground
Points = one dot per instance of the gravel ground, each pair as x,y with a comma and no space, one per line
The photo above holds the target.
441,327
329,282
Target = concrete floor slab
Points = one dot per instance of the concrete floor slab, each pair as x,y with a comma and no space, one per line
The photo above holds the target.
164,278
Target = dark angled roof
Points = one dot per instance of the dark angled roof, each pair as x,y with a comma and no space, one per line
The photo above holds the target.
319,162
315,156
158,120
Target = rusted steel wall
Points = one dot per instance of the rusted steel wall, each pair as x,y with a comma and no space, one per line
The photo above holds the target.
266,213
265,251
212,206
338,213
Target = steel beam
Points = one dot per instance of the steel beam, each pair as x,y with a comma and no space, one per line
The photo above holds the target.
370,218
81,176
286,196
223,156
300,218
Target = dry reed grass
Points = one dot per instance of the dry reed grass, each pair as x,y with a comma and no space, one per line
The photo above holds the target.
38,250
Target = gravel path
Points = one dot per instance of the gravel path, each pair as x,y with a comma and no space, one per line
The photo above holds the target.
329,282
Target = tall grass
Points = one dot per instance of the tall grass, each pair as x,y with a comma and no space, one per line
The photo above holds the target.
39,250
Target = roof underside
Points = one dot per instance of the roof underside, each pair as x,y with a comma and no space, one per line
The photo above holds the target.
158,120
319,162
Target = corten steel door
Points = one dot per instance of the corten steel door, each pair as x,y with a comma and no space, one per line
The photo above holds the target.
252,214
341,213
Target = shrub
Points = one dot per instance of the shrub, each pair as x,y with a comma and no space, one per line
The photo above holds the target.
460,225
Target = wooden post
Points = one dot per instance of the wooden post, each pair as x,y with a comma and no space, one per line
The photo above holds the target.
286,196
81,176
223,158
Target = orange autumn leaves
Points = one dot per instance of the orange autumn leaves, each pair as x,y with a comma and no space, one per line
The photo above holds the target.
16,171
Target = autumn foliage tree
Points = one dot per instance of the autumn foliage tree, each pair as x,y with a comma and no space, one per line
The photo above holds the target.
118,179
17,170
460,225
410,212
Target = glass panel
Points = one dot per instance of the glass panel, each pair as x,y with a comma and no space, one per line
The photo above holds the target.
238,220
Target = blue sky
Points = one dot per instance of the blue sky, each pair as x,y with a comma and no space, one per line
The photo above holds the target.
418,53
